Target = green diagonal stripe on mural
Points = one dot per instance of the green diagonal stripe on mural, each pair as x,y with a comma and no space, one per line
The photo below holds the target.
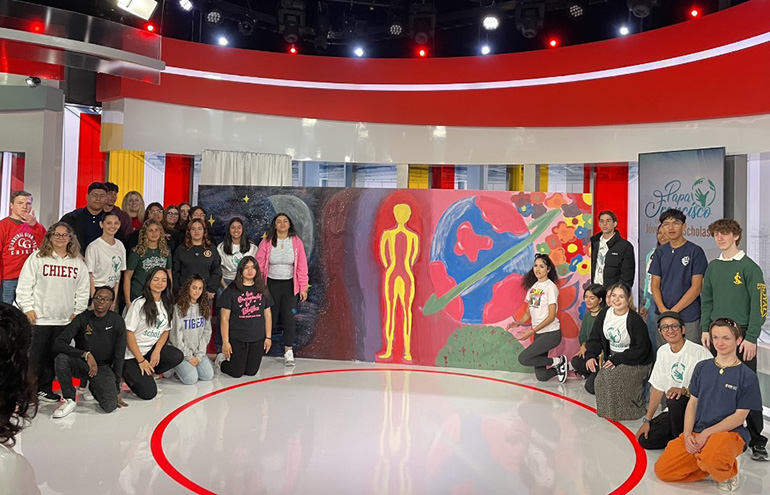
435,304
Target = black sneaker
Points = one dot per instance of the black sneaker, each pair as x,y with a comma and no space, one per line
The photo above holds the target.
562,369
48,397
759,453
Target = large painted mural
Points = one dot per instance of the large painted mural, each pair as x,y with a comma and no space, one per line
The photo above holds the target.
427,277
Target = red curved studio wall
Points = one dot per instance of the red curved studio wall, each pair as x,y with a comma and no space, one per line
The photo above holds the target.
725,46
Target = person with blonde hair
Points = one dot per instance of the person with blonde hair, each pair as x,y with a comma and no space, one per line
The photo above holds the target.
133,204
151,251
53,288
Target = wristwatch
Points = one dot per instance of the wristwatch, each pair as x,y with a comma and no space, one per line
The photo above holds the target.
645,420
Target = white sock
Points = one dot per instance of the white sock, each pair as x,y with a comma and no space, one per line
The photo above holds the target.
556,361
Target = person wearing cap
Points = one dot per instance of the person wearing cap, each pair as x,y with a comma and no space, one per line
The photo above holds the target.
734,288
109,205
669,382
86,221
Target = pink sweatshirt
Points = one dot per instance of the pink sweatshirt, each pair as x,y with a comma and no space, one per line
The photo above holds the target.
300,262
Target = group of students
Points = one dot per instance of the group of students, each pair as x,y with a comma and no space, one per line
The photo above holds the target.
70,293
708,316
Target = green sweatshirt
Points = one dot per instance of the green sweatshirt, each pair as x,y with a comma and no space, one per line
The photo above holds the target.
586,326
734,289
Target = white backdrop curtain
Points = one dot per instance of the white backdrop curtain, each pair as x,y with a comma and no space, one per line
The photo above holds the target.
235,168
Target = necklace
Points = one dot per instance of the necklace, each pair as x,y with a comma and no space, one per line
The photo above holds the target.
722,368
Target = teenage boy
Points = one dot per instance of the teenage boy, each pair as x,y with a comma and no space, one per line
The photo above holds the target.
612,257
85,221
106,256
734,288
20,235
670,381
722,392
677,270
97,356
109,205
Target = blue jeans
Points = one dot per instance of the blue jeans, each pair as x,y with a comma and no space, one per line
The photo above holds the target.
190,374
9,290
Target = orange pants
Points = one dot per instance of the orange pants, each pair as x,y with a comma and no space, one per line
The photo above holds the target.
718,459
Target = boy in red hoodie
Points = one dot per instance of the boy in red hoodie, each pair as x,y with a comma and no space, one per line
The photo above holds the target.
20,235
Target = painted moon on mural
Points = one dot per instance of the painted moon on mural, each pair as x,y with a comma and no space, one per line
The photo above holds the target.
300,215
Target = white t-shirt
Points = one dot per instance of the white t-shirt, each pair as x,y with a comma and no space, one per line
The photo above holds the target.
600,257
675,370
230,261
146,336
16,474
616,331
105,262
539,297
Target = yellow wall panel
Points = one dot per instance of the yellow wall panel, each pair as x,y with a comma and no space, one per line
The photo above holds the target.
419,177
126,169
516,177
543,174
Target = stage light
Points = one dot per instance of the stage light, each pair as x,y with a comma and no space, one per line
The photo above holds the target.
246,28
396,28
140,8
293,50
695,12
222,41
553,42
291,19
36,27
490,22
422,22
359,52
624,31
422,53
33,81
485,50
187,5
214,17
641,8
575,9
150,27
529,18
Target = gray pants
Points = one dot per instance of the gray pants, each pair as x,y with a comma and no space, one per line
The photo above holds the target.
536,354
103,385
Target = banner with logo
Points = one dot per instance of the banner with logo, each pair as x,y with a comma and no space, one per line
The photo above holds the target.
691,181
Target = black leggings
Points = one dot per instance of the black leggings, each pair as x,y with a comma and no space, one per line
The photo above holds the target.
579,365
245,358
536,354
284,301
666,426
144,385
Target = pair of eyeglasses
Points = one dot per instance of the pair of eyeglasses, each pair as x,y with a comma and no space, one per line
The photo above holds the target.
103,299
60,236
670,328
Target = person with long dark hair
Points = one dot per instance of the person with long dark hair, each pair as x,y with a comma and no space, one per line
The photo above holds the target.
620,353
148,322
53,289
283,266
594,297
184,216
191,331
197,256
18,400
245,321
542,304
233,249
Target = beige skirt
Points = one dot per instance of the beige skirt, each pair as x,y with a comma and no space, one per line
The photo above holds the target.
620,392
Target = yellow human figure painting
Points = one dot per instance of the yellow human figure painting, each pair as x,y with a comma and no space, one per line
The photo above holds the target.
398,254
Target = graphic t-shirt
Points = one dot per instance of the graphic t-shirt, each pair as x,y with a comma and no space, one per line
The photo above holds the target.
105,262
616,331
600,258
142,265
676,369
146,335
230,261
719,395
17,240
539,297
247,312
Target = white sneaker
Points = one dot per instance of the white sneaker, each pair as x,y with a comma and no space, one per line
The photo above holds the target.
561,369
288,358
219,360
85,394
67,406
730,485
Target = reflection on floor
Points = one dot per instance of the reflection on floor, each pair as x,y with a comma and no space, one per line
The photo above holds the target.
369,429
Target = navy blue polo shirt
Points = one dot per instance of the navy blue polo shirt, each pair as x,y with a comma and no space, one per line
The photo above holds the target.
676,267
719,395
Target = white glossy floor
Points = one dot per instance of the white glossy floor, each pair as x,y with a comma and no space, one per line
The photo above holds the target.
333,427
